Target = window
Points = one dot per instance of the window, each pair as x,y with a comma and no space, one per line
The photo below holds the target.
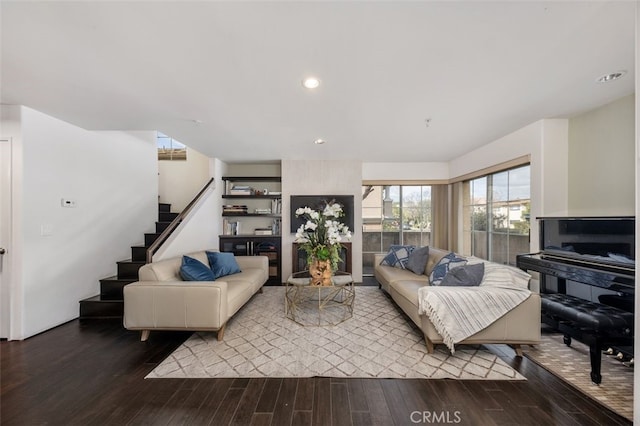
170,149
496,211
394,214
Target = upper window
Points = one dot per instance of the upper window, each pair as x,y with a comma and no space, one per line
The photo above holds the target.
496,215
170,149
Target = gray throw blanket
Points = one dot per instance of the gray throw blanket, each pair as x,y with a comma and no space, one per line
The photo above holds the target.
460,312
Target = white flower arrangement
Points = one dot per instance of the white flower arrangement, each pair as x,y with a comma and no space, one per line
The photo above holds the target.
322,234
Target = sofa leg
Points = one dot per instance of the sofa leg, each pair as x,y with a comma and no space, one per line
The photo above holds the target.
144,335
221,333
430,346
518,350
260,291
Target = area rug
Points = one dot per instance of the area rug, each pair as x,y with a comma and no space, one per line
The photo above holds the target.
571,364
378,341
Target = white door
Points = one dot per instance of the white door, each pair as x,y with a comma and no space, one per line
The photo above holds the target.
5,236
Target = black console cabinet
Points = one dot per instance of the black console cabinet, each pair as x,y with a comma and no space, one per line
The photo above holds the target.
268,245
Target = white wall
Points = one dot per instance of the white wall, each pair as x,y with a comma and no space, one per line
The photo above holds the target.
112,177
550,177
197,231
318,177
179,181
253,169
601,160
203,225
405,171
546,142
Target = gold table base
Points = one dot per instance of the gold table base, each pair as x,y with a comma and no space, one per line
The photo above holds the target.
310,305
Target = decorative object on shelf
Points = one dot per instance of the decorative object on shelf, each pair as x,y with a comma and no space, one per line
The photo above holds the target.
235,209
241,190
263,231
320,238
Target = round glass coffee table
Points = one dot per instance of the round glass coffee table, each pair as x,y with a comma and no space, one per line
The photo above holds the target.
312,305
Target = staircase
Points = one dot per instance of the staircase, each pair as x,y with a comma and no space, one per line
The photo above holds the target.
109,303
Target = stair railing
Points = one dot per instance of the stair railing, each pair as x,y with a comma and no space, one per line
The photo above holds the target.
155,246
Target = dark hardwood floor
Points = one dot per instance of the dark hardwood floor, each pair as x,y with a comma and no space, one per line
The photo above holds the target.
92,373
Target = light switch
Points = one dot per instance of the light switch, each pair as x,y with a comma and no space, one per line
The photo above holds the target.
46,229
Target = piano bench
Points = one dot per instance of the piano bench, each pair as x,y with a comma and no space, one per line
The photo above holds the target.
592,323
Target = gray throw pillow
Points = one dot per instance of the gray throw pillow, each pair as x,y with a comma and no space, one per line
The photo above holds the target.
418,260
467,275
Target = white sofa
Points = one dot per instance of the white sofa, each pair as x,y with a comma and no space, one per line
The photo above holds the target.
161,300
519,326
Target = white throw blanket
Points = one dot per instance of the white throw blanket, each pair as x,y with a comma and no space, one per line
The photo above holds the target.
460,312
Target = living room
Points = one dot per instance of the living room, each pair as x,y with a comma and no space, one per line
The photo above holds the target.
117,193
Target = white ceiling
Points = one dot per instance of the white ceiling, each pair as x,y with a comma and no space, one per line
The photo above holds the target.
224,77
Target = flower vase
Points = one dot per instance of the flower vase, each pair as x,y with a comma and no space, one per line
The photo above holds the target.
321,273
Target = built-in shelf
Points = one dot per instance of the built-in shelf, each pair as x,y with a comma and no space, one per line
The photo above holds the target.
248,243
243,236
253,178
276,216
254,196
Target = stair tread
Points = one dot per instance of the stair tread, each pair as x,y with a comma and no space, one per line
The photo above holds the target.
109,304
98,299
114,278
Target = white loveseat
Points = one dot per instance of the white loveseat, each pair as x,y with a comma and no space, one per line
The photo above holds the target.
519,326
161,300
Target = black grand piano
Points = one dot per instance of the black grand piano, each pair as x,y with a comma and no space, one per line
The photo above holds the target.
587,281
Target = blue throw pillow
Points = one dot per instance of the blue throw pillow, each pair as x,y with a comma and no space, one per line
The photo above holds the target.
194,270
222,264
398,256
445,264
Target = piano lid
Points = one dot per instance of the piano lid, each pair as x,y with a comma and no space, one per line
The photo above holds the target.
609,240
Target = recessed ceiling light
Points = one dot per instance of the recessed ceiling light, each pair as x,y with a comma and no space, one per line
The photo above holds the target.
311,82
319,141
611,77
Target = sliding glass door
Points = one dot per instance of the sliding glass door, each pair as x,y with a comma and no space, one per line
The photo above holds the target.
394,214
